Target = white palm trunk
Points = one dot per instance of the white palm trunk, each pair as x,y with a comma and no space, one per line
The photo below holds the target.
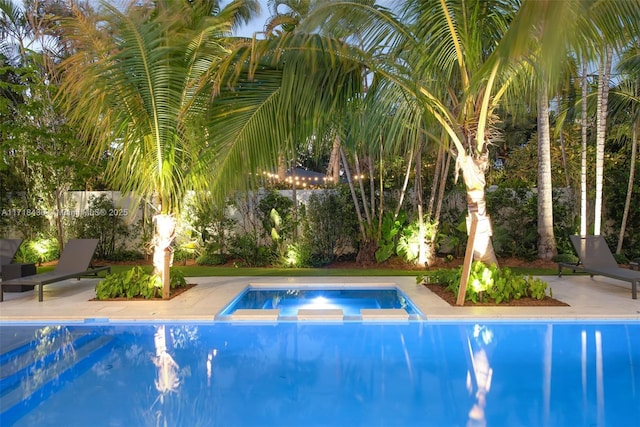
422,248
546,239
583,155
165,232
473,172
601,128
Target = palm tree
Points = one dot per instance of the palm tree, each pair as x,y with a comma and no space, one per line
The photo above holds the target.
626,100
138,88
460,61
584,89
602,108
600,30
546,240
286,15
280,91
443,57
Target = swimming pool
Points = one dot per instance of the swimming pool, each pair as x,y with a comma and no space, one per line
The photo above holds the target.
321,374
289,300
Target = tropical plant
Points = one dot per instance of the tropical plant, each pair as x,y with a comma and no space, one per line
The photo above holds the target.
41,157
104,223
458,63
135,283
329,227
490,283
138,88
626,102
246,247
286,15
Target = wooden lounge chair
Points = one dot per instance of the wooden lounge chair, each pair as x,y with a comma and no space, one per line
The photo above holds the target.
595,258
8,249
74,262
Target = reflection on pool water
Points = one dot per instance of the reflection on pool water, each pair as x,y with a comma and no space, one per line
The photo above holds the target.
349,300
314,374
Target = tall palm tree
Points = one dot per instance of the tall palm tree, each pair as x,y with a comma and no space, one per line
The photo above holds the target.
459,61
546,240
443,57
601,30
138,88
584,90
602,109
626,100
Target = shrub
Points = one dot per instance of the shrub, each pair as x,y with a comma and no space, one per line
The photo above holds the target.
330,227
246,248
282,220
135,283
205,225
105,223
491,284
276,213
38,251
211,255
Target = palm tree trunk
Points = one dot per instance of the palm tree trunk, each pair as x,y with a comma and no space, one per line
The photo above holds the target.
422,249
435,181
583,153
294,198
627,203
473,173
360,180
601,128
439,184
347,172
405,184
546,240
372,187
333,170
282,167
165,232
563,147
58,192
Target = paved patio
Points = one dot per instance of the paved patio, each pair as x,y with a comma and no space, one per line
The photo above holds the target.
70,301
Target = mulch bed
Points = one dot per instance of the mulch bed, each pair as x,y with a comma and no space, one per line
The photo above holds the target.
451,298
174,293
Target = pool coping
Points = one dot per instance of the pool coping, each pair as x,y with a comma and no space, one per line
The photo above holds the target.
597,298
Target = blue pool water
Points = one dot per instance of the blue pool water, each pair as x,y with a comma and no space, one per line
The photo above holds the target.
290,300
313,374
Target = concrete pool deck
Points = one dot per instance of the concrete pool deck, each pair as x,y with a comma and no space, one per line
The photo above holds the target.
71,300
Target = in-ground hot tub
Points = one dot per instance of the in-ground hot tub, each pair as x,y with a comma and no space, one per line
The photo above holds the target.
321,303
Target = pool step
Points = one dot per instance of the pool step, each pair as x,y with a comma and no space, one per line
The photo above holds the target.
39,352
324,315
384,315
21,343
35,376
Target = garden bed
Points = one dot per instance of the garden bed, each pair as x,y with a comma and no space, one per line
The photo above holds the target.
451,298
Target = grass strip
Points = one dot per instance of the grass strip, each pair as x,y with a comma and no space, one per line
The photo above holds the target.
215,271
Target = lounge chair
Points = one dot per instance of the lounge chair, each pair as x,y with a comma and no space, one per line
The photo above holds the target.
74,262
8,249
595,258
